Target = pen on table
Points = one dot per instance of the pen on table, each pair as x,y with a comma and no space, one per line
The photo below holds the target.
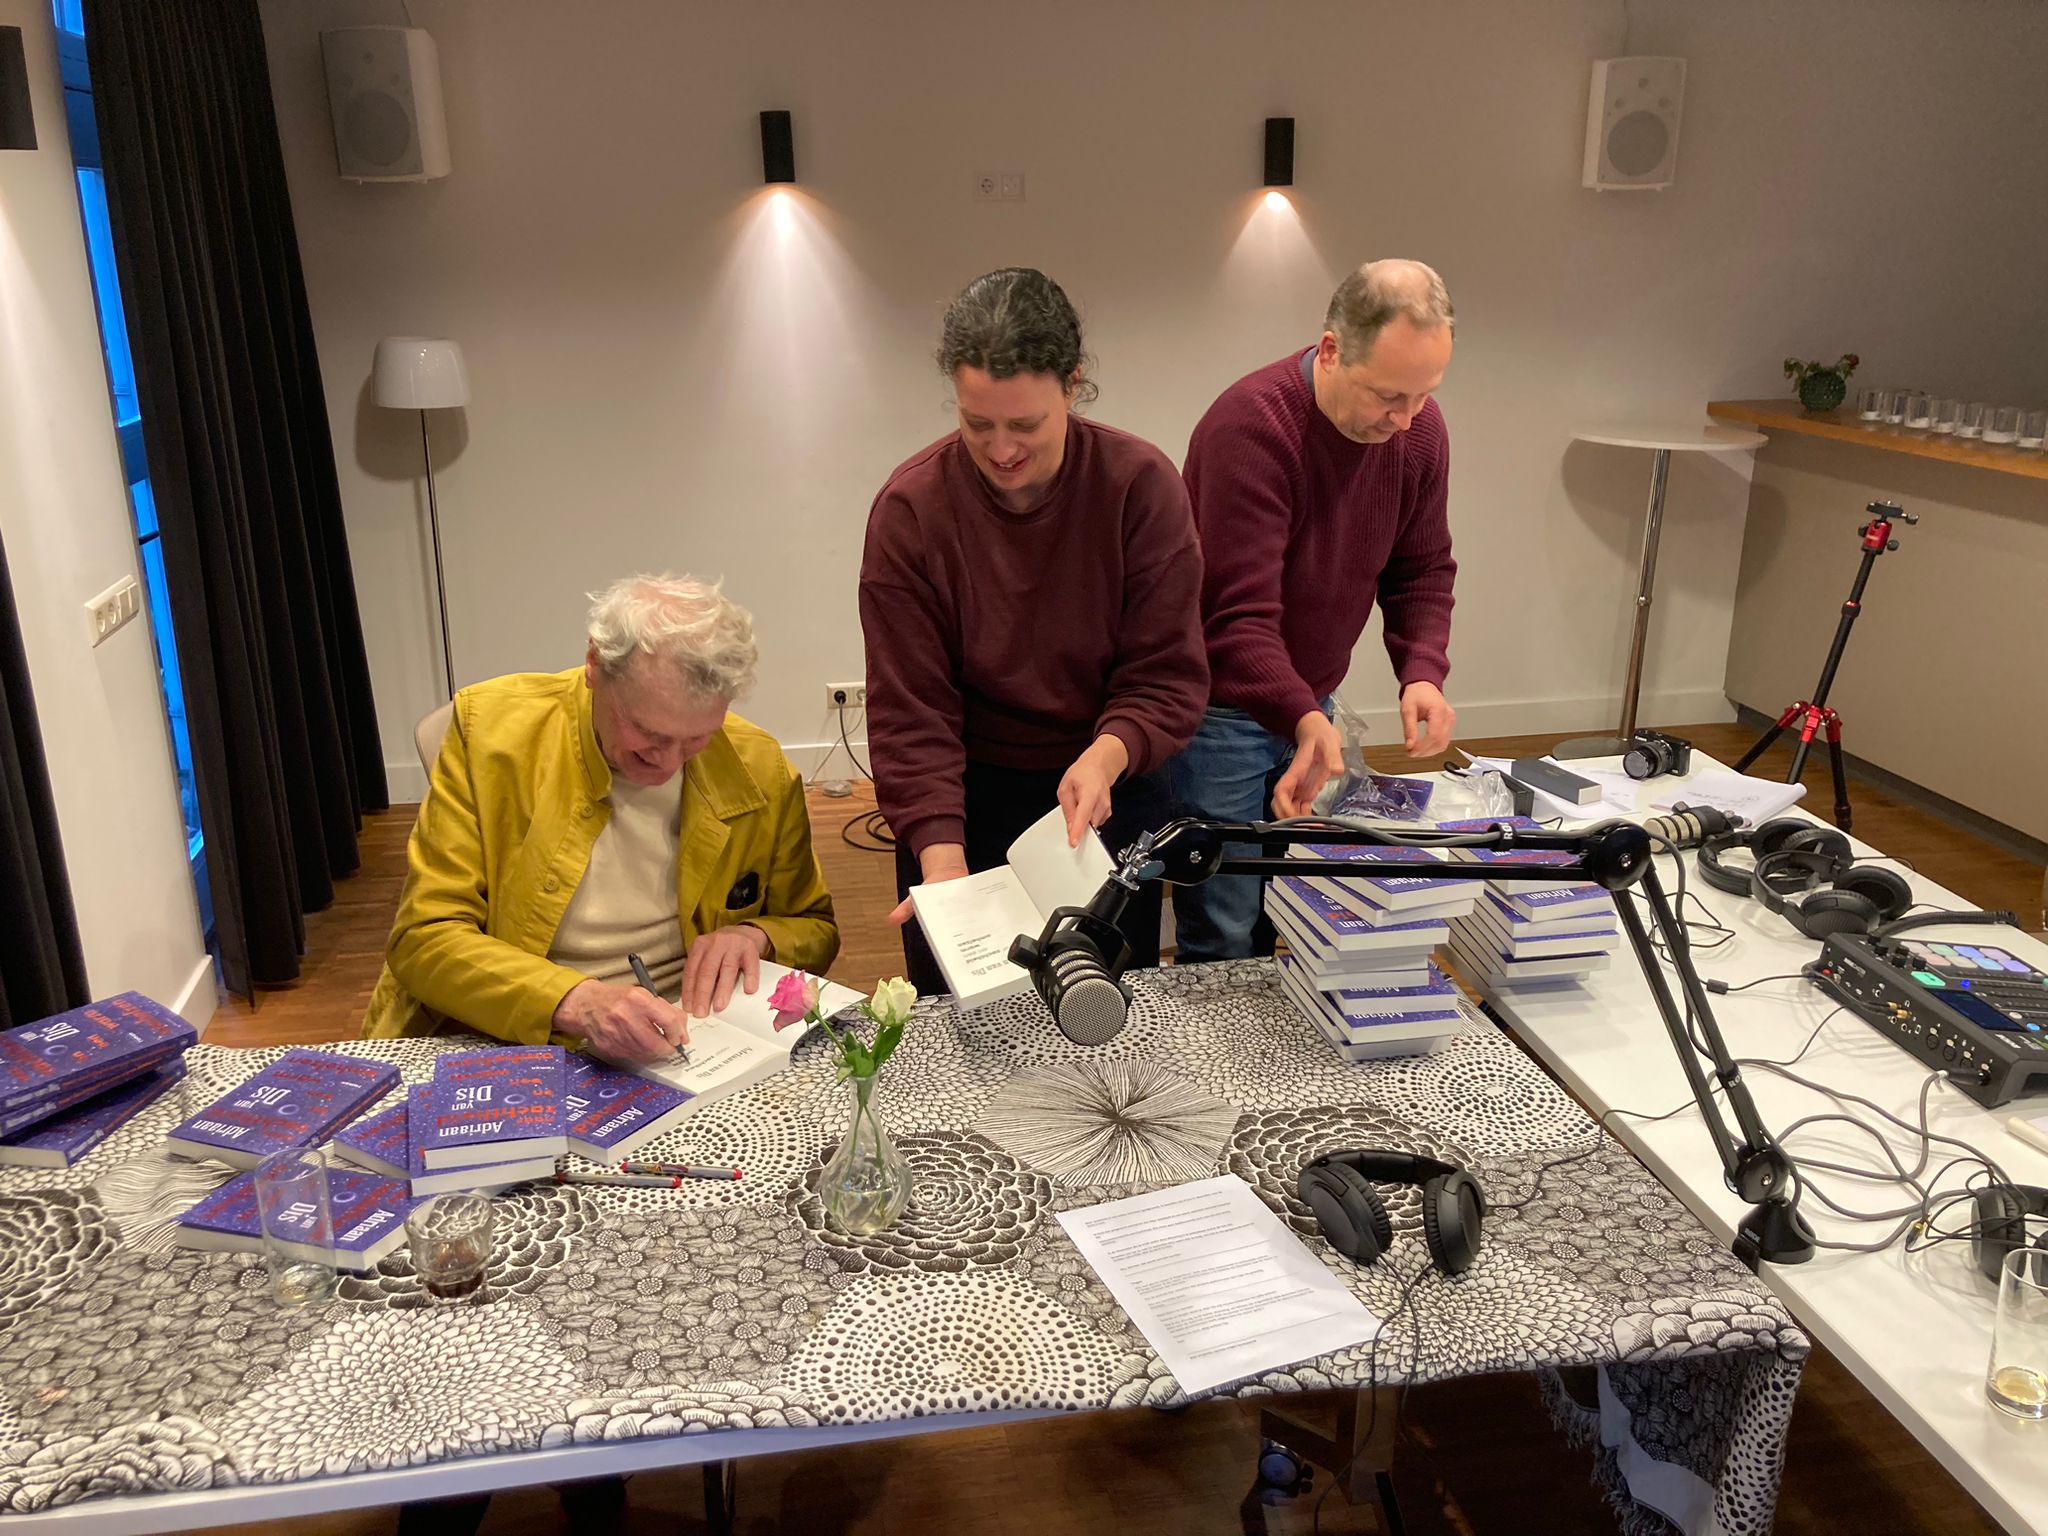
626,1180
640,975
681,1170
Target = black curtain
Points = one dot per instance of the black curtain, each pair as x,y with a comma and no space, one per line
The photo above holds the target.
42,969
263,604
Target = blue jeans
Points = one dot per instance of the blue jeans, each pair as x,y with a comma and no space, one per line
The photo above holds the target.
1227,772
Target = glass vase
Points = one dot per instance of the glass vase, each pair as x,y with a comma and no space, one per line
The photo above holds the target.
866,1182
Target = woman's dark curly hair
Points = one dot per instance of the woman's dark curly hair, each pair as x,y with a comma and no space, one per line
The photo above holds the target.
1012,321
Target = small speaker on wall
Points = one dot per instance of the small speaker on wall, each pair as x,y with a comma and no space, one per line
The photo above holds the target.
1632,124
384,93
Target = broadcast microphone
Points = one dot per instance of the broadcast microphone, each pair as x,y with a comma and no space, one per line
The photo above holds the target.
1076,962
1690,825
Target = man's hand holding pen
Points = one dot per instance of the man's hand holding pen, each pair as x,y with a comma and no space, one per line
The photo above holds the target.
627,1025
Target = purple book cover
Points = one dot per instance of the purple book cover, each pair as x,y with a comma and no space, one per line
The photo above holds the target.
103,1042
377,1142
298,1099
229,1212
609,1109
1521,925
490,1106
366,1217
63,1139
367,1212
1399,1002
1338,921
1408,1021
1389,890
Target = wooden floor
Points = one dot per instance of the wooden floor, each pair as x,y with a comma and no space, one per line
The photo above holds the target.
1475,1456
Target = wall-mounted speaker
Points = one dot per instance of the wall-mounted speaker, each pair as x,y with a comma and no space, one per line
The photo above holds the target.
1632,124
384,93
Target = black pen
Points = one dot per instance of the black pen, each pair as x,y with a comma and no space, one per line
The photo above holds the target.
640,975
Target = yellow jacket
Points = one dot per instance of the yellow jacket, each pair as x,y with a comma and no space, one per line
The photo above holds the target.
513,807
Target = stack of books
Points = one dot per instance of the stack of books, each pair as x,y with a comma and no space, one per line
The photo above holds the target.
364,1220
1358,952
70,1081
1531,933
492,1117
607,1114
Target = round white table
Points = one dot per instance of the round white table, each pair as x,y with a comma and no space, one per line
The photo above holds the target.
1662,439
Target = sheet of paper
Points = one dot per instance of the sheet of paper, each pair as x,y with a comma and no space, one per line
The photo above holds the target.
1052,874
722,1056
1216,1282
1755,800
970,924
750,1011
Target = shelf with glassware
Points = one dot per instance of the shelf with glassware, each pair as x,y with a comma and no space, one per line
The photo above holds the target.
1848,426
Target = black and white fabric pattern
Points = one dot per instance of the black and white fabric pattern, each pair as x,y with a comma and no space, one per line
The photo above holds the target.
129,1364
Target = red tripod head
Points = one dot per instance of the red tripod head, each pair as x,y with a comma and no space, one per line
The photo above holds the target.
1877,533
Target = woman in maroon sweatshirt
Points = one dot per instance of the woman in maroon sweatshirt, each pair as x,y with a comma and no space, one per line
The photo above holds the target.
1030,594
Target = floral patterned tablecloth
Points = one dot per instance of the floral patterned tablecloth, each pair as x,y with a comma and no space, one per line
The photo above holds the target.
130,1365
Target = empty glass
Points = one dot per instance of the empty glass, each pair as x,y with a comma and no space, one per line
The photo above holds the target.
291,1200
2002,425
1919,412
1971,422
451,1244
1870,404
1944,416
2034,429
1895,405
2017,1378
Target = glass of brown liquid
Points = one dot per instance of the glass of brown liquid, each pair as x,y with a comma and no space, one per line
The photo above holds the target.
451,1244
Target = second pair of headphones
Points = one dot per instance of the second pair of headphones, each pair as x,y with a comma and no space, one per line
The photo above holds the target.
2000,1227
1807,875
1337,1187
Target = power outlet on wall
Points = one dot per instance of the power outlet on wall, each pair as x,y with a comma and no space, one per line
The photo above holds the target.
113,608
999,187
846,695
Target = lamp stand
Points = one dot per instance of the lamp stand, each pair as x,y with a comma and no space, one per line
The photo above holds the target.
440,582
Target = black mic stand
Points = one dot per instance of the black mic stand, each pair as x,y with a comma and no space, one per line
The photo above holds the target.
1615,855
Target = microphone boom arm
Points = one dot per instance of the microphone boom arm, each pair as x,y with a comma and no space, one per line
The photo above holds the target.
1614,855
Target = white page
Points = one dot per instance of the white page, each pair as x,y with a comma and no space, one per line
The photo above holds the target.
1755,800
722,1056
1216,1282
750,1011
970,924
1054,875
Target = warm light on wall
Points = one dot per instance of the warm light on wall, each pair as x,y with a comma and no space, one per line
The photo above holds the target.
1277,200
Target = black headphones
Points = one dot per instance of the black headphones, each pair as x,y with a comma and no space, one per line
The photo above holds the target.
1348,1209
2001,1225
1807,875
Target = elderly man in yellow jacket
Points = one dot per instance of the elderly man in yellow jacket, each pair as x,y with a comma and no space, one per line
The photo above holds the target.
576,818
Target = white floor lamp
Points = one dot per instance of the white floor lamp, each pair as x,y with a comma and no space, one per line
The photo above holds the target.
420,373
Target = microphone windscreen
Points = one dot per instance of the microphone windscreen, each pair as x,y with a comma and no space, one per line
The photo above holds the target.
1090,1008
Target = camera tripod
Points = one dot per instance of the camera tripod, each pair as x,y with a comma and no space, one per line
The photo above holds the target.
1815,717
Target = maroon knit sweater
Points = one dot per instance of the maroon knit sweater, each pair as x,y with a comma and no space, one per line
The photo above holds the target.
1301,530
1017,638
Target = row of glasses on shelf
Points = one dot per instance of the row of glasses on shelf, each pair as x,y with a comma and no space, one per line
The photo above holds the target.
1917,411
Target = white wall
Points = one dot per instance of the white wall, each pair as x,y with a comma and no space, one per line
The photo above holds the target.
64,517
672,369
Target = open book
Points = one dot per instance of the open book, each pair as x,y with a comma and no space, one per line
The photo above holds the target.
970,923
739,1045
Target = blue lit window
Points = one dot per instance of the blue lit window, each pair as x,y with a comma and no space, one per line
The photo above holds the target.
106,287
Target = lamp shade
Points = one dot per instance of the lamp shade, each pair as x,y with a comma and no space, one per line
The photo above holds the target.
418,373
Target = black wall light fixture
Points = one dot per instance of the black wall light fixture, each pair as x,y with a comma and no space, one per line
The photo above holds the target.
1279,151
778,148
17,113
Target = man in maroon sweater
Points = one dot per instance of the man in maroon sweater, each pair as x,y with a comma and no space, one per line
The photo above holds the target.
1030,596
1319,486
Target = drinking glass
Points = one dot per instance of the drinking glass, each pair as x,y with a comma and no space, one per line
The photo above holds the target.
1945,414
2034,429
1870,404
2016,1381
1971,422
291,1201
1895,405
1919,412
2002,425
450,1237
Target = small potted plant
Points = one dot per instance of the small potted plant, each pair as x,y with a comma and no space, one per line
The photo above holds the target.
1821,386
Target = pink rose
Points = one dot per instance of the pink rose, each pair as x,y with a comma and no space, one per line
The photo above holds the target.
794,996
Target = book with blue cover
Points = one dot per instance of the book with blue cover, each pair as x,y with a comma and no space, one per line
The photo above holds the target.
1379,968
496,1105
612,1112
1345,931
1481,963
1520,938
1532,898
365,1220
1372,1038
62,1139
295,1101
75,1054
378,1142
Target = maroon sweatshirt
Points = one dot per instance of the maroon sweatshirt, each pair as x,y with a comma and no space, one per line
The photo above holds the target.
1017,638
1301,530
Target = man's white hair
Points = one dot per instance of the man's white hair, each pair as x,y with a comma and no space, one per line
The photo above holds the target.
690,624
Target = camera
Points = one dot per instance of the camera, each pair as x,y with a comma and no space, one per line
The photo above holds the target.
1652,753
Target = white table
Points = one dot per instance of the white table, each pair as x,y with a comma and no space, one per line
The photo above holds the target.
1662,439
1915,1329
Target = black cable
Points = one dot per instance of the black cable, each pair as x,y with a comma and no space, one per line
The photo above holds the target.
875,827
851,756
1372,1378
1721,988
